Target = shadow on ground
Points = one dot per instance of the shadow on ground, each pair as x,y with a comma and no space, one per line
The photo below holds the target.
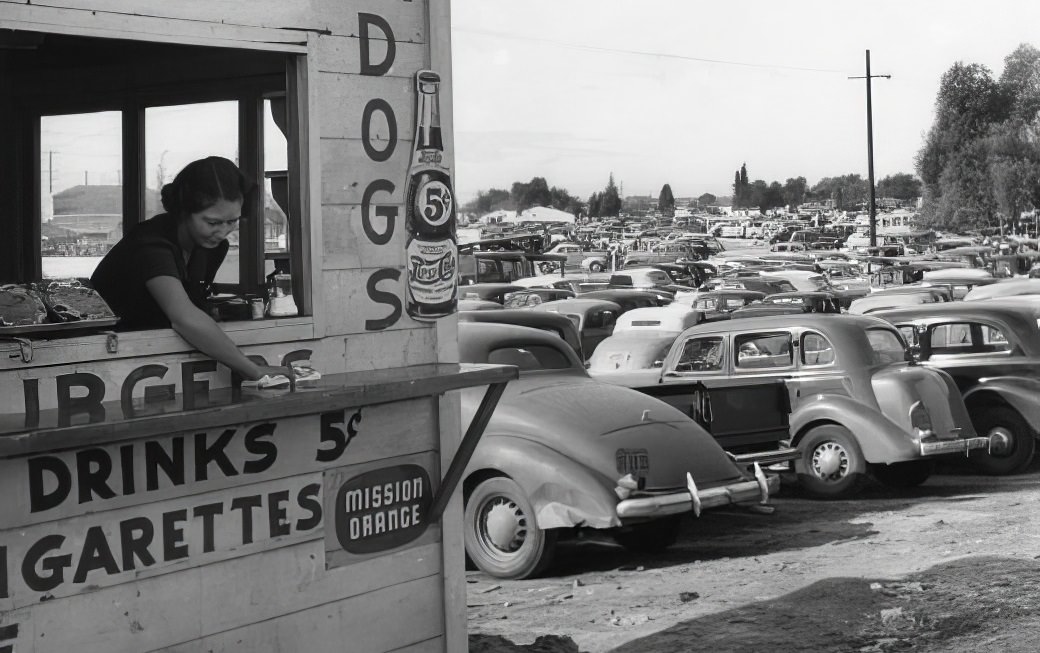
738,532
922,612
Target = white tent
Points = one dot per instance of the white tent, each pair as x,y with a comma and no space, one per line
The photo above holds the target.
533,214
546,215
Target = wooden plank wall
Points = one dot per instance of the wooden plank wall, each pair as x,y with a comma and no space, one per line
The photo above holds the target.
261,581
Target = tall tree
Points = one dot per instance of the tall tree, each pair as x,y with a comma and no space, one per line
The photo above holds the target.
900,186
847,191
743,194
794,191
666,201
977,160
595,205
492,200
610,203
1020,83
534,193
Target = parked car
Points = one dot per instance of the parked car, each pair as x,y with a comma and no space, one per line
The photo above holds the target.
765,284
630,298
1009,288
595,318
641,279
897,297
857,406
960,280
813,281
479,305
563,452
719,303
991,349
808,301
572,251
492,292
534,296
560,325
576,282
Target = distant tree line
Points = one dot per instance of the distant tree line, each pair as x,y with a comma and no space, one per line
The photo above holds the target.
523,196
847,191
980,161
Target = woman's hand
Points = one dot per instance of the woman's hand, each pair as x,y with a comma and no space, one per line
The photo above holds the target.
275,370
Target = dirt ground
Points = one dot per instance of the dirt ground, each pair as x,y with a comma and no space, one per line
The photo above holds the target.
951,566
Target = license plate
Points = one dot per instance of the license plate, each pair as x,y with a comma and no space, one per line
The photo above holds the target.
633,461
953,446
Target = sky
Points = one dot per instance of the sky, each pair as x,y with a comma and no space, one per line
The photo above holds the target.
684,91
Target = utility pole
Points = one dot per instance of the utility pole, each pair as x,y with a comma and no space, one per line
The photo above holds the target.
870,153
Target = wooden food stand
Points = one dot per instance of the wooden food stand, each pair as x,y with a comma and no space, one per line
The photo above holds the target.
153,502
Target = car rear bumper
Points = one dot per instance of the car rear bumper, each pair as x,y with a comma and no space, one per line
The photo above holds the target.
960,445
695,500
767,458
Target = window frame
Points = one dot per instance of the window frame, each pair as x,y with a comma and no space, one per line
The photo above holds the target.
802,350
723,359
31,98
249,96
249,90
735,350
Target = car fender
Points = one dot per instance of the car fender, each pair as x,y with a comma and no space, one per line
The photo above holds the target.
563,492
880,440
1019,393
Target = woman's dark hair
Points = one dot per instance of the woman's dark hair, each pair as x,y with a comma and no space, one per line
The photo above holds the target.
202,183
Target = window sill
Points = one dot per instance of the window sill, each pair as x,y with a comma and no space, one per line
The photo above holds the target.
132,344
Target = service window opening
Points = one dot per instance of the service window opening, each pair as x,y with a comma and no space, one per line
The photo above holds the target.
98,126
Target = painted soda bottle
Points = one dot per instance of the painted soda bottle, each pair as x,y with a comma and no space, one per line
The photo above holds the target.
433,280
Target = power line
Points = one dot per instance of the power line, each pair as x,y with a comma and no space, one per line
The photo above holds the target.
644,53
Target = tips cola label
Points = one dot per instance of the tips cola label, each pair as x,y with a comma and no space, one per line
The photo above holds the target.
430,212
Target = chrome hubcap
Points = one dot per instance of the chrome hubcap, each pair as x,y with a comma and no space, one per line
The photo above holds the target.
1000,439
504,525
830,461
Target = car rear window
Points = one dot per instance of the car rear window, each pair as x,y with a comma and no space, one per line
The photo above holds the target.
620,280
530,358
885,346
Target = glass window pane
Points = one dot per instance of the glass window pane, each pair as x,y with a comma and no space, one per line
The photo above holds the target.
81,191
763,350
701,355
179,134
276,182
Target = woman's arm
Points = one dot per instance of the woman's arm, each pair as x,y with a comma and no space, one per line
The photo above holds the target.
201,331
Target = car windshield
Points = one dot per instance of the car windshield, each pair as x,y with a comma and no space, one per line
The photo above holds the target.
885,346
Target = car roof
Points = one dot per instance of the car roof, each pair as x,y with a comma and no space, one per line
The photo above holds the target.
1000,308
958,274
577,304
1008,288
807,294
674,317
817,321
